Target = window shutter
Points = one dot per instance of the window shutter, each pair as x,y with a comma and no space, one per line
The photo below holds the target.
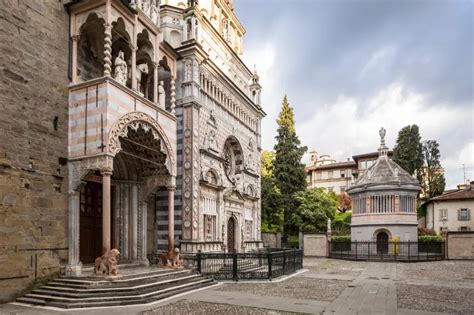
459,214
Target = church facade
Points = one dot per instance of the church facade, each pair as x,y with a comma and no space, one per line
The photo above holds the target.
154,144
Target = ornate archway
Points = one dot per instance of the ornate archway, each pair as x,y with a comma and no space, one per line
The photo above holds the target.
134,121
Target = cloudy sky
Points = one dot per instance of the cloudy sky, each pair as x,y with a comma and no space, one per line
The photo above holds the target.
350,67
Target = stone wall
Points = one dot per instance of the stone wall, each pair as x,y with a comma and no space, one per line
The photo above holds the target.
460,245
33,142
315,245
272,240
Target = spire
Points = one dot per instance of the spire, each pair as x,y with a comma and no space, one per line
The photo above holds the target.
383,149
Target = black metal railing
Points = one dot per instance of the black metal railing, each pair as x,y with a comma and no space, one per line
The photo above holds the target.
387,250
265,264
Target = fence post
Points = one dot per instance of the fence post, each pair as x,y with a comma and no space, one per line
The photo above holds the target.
269,265
199,265
234,266
284,262
368,252
294,260
356,248
409,257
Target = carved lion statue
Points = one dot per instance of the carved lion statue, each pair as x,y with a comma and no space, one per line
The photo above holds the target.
107,263
172,258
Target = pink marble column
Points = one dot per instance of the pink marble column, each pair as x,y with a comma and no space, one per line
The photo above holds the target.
106,174
75,39
171,190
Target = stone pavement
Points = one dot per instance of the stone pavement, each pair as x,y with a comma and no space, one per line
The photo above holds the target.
328,287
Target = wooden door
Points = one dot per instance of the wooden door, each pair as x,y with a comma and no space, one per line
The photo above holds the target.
382,243
231,235
90,231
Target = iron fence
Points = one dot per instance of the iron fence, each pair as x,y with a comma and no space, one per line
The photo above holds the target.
268,264
387,250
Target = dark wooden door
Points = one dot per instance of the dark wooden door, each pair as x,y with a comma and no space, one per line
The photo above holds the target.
382,243
90,231
231,235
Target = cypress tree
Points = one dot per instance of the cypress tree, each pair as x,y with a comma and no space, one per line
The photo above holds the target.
408,149
288,170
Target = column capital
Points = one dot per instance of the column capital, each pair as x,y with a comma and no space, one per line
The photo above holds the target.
106,172
155,65
171,188
133,48
75,38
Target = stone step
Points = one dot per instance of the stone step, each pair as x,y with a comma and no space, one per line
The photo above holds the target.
79,293
97,301
89,268
118,281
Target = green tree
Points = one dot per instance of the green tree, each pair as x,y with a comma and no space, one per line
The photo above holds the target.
272,212
314,208
408,149
288,170
432,175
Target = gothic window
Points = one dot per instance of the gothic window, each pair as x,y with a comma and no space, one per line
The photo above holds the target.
211,178
233,158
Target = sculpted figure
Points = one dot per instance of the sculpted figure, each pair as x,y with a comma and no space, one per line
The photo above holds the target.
107,263
161,94
120,71
141,69
212,141
172,258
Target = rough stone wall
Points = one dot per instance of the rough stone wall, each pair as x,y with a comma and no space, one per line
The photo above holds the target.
33,142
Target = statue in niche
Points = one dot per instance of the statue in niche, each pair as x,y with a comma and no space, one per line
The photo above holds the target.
248,162
212,117
154,9
195,70
188,71
141,69
161,95
121,69
212,144
225,28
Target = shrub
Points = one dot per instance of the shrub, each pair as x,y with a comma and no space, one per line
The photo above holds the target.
341,238
429,238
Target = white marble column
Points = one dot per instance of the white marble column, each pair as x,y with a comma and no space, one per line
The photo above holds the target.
106,174
134,68
155,84
171,190
74,266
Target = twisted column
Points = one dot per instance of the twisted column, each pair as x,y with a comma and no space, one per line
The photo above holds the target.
108,50
173,95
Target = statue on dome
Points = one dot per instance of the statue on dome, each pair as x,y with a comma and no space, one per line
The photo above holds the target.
121,69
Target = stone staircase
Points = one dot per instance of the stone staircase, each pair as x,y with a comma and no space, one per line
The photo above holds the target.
144,286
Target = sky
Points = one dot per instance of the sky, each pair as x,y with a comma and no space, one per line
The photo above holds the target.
350,67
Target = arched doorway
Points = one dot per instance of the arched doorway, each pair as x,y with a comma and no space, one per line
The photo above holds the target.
231,234
382,243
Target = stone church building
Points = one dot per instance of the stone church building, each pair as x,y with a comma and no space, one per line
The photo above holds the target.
125,124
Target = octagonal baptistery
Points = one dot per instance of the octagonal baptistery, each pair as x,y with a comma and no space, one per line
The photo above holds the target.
384,201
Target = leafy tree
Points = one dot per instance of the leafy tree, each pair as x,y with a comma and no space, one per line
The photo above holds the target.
314,208
272,212
345,202
288,170
342,223
408,149
266,162
432,175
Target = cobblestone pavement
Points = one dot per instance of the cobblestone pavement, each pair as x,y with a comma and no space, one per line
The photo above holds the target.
327,287
204,308
300,287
